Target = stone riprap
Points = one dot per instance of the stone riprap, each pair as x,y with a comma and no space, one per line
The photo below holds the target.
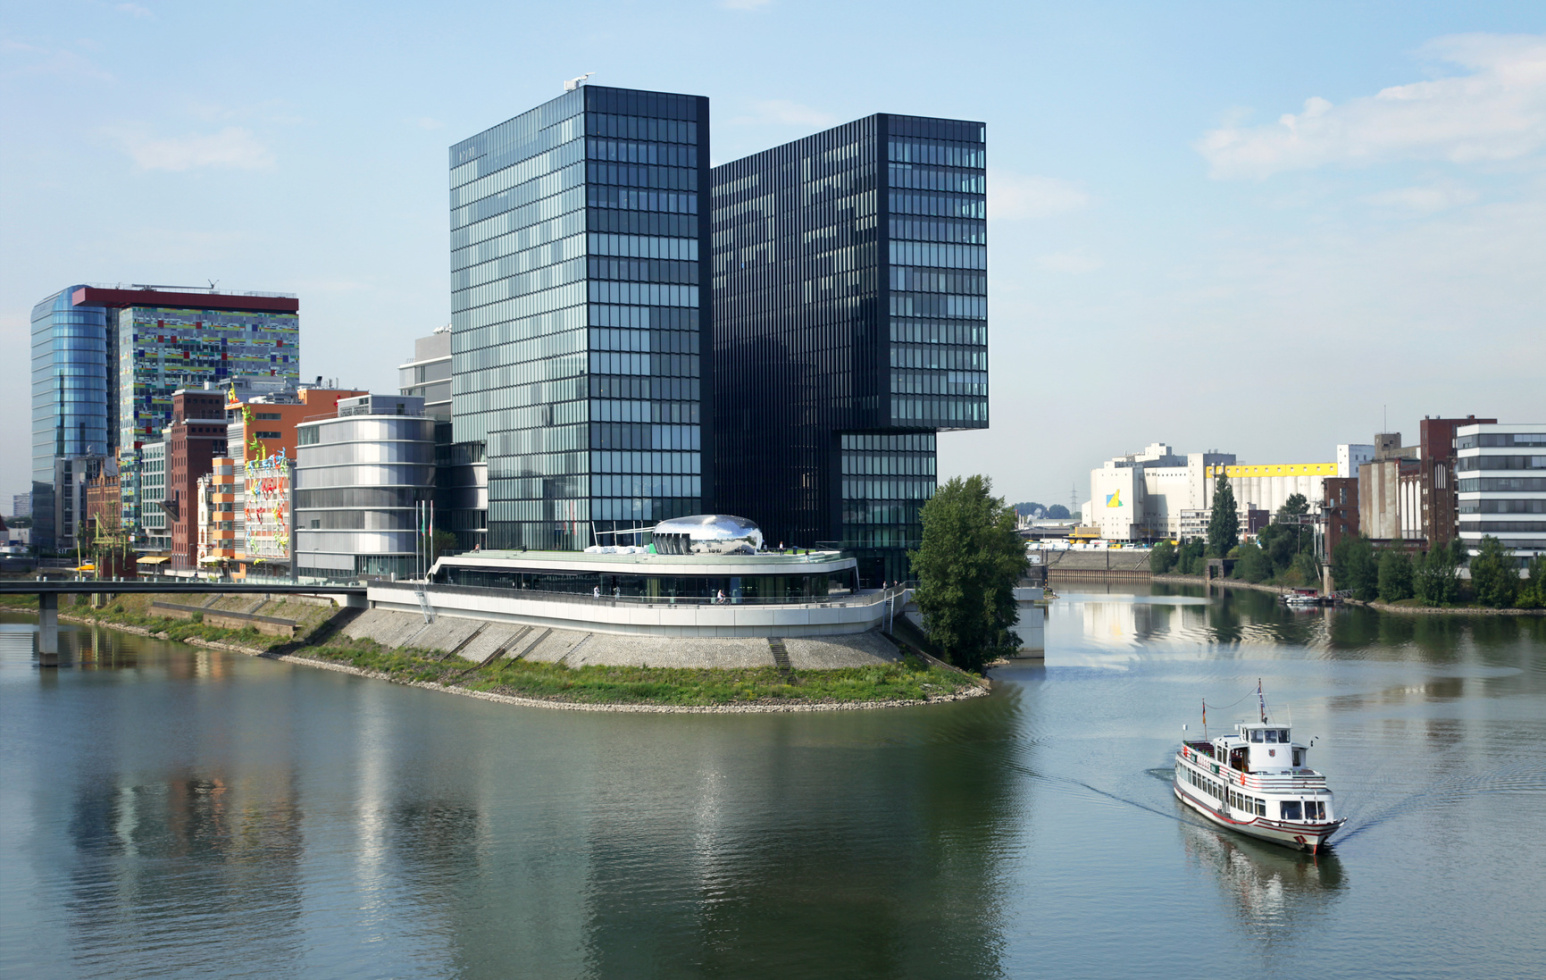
577,648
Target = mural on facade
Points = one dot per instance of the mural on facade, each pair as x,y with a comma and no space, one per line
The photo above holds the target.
267,508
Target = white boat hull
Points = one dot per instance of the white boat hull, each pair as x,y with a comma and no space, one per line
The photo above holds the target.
1304,837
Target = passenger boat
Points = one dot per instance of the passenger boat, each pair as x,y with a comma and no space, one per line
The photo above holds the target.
1257,782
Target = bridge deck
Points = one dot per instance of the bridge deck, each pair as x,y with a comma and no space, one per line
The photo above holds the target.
133,586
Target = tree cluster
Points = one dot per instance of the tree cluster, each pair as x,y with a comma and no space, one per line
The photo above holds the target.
1284,551
967,565
1433,579
1035,511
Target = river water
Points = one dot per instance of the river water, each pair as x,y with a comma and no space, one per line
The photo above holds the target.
170,812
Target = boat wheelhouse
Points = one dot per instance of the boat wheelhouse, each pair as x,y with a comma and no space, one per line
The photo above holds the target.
1257,782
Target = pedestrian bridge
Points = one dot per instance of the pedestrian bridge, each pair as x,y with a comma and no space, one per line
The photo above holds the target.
48,591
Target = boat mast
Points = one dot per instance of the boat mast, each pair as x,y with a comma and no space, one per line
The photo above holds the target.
1263,699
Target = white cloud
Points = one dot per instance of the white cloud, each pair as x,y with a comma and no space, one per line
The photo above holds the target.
744,4
135,10
1016,196
231,147
1425,200
1498,112
782,112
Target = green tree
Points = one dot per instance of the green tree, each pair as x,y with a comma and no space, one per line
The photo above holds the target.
1532,594
1189,558
1494,574
1306,567
1395,574
967,565
1253,565
1223,522
1353,567
1434,579
1163,558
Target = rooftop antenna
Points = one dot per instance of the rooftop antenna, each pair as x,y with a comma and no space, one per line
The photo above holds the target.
575,83
213,283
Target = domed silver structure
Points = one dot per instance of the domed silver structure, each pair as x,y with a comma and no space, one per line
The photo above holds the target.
707,534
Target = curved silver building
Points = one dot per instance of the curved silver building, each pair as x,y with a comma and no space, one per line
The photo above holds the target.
358,478
707,534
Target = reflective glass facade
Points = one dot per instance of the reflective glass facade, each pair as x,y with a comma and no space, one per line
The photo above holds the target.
580,312
71,408
850,325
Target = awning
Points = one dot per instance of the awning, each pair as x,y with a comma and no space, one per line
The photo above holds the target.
151,560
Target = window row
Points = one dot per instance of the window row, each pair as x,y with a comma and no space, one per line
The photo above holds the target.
511,375
556,440
1505,527
644,341
640,128
939,382
1484,463
1527,505
1501,484
888,442
642,436
911,280
643,270
888,464
662,389
628,199
479,411
940,256
647,486
911,177
898,489
641,175
652,154
645,317
643,223
473,341
939,154
361,497
652,462
939,358
663,365
939,305
1497,439
947,413
666,413
474,316
642,294
514,140
644,247
937,205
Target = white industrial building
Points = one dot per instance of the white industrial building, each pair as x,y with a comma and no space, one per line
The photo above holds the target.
1159,494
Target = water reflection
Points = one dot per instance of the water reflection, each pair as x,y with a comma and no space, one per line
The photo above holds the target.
1269,889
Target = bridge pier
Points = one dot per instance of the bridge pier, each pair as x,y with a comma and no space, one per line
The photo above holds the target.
48,629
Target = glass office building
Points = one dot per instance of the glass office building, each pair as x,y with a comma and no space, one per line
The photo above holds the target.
850,326
580,312
71,419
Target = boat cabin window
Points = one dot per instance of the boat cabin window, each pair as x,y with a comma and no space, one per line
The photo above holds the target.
1314,810
1272,735
1256,734
1299,758
1292,810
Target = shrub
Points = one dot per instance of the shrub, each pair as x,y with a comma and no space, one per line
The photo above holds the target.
197,617
1163,558
1494,574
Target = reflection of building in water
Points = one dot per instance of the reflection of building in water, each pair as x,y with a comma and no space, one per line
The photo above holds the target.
1269,887
227,850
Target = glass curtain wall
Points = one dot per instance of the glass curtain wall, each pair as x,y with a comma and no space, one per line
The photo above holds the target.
850,289
579,312
71,405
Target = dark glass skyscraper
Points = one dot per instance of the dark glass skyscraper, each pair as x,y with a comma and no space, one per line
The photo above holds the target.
72,412
580,312
850,326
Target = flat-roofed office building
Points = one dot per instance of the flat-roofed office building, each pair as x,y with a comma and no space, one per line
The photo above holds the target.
1501,477
850,326
580,312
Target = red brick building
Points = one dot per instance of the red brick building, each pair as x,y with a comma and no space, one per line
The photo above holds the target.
1440,495
197,436
1339,509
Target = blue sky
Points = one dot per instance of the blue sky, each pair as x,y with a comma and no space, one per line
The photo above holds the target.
1249,227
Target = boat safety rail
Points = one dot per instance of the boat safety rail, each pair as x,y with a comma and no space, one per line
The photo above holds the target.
1299,779
862,598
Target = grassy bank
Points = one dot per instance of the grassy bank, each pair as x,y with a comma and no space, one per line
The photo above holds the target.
911,680
318,638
